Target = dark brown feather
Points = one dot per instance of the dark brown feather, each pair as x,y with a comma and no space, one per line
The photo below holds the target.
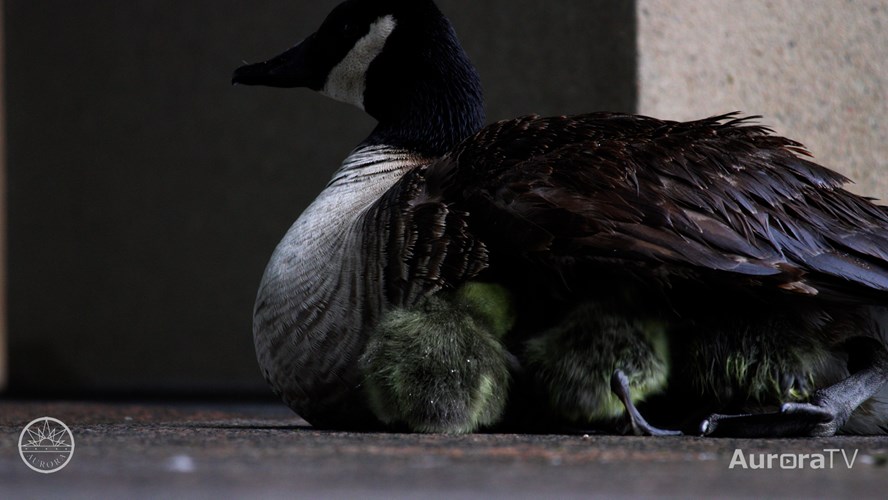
720,194
427,243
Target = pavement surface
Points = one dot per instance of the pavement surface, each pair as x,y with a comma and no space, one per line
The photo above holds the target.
262,450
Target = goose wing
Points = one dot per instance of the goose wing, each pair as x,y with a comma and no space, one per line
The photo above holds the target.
424,242
716,195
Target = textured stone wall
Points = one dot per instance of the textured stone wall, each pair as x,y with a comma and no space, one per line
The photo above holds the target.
817,70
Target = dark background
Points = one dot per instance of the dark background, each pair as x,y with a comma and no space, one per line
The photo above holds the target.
145,194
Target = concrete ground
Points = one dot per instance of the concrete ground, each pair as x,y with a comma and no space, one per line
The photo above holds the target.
261,450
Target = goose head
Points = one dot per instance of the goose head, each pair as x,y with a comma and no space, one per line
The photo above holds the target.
398,60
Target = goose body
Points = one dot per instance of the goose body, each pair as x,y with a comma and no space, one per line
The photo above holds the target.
450,272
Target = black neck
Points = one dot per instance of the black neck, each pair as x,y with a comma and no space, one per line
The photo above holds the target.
430,103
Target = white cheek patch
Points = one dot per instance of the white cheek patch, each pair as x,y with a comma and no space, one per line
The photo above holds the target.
346,81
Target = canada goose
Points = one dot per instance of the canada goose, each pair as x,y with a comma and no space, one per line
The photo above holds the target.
448,271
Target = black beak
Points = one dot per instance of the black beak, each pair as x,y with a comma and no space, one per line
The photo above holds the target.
293,68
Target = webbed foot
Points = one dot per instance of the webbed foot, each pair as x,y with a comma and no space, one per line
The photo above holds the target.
828,410
793,419
637,424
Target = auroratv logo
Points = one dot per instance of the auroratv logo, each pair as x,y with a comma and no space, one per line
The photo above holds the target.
829,459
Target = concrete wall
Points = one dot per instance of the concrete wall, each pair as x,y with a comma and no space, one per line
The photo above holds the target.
817,70
147,194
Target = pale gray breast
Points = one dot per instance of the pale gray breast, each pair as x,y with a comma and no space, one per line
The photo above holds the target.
323,284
